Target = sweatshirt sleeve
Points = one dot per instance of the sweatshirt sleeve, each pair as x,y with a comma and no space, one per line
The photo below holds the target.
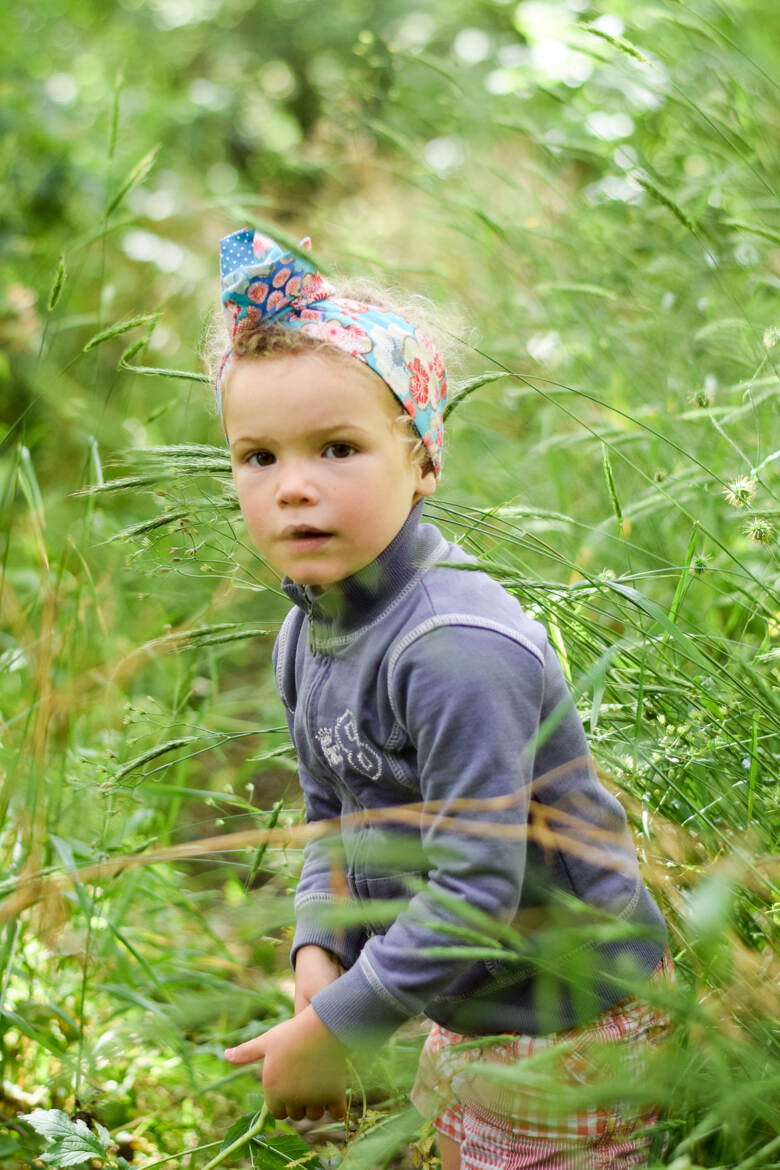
315,885
321,803
314,891
469,699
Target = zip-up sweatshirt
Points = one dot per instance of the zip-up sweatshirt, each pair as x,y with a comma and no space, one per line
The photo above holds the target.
507,897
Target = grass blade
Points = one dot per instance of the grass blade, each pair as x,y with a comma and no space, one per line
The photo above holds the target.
136,176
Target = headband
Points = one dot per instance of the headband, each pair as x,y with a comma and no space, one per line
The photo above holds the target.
265,283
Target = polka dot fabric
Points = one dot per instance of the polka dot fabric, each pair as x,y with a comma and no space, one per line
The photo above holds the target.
263,282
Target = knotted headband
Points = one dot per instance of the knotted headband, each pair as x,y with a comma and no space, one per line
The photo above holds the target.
264,283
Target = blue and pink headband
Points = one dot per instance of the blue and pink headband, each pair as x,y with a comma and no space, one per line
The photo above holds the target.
264,283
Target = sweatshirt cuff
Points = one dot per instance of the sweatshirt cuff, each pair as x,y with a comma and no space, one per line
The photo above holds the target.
358,1009
310,934
310,931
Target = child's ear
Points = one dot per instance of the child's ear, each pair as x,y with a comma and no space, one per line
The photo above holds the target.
426,484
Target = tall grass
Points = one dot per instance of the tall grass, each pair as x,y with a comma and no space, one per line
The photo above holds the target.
612,241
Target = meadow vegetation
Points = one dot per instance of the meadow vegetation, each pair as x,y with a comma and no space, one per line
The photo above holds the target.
589,191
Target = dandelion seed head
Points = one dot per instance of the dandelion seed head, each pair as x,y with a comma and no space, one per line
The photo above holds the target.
740,491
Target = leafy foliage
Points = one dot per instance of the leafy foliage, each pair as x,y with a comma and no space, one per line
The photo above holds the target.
592,190
72,1143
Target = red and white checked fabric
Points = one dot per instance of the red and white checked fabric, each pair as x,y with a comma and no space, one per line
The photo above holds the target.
512,1122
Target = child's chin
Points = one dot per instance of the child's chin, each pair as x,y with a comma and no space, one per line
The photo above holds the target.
323,578
313,578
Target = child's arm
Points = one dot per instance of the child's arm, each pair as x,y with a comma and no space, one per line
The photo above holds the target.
315,968
322,803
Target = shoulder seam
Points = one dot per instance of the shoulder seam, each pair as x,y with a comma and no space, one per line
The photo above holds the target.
453,619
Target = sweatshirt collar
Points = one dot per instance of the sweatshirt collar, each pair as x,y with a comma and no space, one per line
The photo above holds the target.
357,601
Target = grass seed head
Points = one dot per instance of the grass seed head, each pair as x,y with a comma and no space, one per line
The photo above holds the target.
760,530
740,491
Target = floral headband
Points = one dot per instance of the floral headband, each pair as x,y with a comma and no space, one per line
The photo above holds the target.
262,282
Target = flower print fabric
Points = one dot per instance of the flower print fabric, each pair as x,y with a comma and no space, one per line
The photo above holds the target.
263,282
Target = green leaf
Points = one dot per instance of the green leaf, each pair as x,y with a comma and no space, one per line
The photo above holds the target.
45,1038
72,1142
277,1153
237,1129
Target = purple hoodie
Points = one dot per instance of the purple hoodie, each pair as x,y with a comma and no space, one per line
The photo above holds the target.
420,679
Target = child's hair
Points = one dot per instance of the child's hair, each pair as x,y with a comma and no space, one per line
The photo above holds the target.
273,340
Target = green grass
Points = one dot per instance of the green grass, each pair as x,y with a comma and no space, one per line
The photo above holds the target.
617,470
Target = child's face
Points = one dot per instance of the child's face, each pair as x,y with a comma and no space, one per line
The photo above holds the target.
324,478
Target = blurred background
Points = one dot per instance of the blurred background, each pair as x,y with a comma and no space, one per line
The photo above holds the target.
588,192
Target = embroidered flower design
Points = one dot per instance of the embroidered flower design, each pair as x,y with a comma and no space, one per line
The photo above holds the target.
352,308
418,381
313,286
257,291
277,300
347,337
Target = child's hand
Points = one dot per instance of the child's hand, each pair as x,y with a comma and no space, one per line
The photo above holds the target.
303,1073
315,968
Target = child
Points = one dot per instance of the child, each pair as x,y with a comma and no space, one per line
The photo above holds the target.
414,683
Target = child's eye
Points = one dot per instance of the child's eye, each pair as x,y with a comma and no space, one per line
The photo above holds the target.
338,450
260,459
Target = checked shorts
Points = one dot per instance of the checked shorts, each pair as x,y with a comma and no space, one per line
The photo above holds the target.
506,1123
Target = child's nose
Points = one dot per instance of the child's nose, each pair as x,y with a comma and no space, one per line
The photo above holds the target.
295,484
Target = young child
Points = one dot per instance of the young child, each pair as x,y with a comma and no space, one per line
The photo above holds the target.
414,684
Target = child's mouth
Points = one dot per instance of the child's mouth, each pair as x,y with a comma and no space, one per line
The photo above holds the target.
303,539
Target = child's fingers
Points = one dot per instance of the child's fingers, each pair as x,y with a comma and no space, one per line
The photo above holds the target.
295,1112
280,1110
338,1109
245,1053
